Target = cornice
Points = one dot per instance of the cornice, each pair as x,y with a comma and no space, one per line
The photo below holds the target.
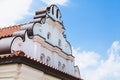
20,58
52,48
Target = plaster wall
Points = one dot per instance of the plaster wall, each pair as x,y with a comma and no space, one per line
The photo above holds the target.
23,72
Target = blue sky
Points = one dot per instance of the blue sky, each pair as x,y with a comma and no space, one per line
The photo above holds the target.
92,24
92,28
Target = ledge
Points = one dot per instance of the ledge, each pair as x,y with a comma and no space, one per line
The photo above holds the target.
20,58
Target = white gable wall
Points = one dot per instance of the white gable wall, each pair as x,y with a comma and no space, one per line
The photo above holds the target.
41,45
56,34
35,49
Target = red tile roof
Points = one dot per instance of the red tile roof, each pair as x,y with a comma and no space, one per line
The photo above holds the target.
28,60
8,31
22,54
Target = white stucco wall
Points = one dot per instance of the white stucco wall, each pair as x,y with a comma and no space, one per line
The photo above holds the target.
40,44
35,49
23,72
55,35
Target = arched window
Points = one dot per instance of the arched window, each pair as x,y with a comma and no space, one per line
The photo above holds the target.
57,13
76,71
42,57
59,65
63,67
53,10
59,42
48,60
48,35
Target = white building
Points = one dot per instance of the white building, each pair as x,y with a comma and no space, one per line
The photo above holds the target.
42,42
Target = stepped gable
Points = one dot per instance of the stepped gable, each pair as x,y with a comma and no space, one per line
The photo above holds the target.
8,34
41,15
23,32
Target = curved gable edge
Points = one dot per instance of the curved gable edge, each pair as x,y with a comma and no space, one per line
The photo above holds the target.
6,43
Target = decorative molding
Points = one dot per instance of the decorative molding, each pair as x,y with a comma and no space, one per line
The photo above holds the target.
52,48
21,58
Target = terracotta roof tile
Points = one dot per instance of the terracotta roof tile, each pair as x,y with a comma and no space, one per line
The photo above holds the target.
8,31
22,54
17,53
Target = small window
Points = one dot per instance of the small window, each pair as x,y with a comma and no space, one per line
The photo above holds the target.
48,60
76,71
59,65
59,42
48,35
53,10
63,67
42,57
57,13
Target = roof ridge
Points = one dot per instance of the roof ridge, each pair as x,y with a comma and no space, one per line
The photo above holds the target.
13,26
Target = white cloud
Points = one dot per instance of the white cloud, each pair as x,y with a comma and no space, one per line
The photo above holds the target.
115,49
60,2
12,11
96,68
85,59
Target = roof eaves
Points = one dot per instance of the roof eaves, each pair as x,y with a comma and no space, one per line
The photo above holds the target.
20,57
